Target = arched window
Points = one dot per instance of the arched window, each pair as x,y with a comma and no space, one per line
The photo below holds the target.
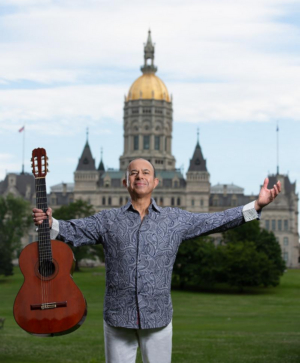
103,200
109,200
172,201
178,201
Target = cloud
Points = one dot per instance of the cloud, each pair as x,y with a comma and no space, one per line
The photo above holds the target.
221,60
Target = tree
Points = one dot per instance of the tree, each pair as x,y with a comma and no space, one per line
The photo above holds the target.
252,257
80,209
15,218
197,264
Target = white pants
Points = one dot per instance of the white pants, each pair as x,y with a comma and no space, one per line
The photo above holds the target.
121,344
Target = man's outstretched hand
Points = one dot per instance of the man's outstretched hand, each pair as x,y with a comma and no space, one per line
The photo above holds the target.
266,195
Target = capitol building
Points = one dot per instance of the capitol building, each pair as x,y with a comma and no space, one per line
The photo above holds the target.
147,129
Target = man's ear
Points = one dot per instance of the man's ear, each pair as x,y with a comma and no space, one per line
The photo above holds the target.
156,182
124,183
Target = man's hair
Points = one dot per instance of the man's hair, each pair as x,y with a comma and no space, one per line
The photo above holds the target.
127,170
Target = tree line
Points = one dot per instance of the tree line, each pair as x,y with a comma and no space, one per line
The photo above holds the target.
247,256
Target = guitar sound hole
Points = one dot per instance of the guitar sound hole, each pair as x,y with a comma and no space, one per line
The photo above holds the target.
46,268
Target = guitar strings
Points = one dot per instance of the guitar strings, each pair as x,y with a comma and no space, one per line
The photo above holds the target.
45,250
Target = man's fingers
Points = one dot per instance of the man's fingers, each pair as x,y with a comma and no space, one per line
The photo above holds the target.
279,186
266,182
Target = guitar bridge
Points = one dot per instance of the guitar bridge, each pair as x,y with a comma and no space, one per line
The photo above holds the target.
50,305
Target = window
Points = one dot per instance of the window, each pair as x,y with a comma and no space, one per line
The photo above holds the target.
146,142
234,203
157,143
215,202
121,200
103,200
279,224
286,241
178,201
201,203
109,200
286,225
176,184
193,202
273,224
136,142
267,225
172,201
161,201
286,256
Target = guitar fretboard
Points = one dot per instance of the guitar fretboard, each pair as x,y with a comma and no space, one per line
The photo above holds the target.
44,242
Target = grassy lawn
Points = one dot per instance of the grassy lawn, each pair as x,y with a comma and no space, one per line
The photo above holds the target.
260,326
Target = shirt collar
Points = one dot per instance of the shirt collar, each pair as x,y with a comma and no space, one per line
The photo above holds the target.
153,205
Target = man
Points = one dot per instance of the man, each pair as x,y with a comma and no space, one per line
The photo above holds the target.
140,241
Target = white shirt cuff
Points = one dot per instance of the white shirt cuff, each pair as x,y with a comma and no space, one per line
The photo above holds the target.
54,229
250,212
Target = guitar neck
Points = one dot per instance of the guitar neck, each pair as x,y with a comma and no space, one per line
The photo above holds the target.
44,242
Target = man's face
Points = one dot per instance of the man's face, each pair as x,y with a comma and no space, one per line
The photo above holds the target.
140,179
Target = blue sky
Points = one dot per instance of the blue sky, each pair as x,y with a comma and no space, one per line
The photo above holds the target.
233,68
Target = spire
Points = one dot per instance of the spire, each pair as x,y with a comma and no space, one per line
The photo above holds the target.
197,163
86,161
149,54
87,135
101,165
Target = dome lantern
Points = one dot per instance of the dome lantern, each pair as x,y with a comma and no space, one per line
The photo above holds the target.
148,86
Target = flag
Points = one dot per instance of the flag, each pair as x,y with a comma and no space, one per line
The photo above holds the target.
22,129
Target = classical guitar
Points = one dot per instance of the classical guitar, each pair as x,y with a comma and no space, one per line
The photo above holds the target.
49,303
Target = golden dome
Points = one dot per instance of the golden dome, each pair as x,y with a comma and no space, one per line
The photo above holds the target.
148,86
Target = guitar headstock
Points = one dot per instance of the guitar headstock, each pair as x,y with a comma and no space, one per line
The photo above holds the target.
39,163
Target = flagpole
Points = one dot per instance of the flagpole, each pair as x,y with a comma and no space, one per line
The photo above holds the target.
22,129
23,149
277,130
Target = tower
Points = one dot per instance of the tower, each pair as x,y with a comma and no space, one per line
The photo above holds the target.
86,175
197,182
148,117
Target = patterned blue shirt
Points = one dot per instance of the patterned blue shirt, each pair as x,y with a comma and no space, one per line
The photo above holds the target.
139,256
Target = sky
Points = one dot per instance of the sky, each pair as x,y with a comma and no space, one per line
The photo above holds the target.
232,67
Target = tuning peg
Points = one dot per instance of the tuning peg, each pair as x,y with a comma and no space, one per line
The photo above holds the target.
48,171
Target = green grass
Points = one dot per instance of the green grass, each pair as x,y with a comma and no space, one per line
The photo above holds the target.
260,326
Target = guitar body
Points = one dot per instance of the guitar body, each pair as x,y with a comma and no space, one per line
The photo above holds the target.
49,303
